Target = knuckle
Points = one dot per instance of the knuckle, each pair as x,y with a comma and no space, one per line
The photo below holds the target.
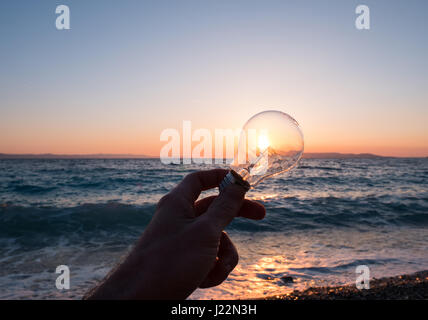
235,192
166,200
173,200
190,176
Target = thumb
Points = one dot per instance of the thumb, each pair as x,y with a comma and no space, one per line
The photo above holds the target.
226,206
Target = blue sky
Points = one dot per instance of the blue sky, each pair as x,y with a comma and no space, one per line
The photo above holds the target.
128,69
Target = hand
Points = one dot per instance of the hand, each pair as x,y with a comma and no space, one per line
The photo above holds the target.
184,246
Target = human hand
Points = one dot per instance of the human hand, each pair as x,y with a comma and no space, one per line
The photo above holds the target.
184,246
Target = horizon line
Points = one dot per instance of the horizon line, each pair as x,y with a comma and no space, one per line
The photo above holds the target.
143,156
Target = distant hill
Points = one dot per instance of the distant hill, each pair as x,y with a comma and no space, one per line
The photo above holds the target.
336,155
308,155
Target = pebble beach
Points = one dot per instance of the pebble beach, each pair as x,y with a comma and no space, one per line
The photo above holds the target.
403,287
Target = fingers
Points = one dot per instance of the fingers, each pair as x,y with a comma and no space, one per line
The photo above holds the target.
249,209
227,261
191,186
225,207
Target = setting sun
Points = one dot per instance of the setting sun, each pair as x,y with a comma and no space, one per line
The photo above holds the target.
263,142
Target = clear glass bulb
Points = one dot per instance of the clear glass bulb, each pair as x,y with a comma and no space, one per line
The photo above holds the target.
271,143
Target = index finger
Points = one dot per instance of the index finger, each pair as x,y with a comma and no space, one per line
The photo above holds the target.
194,183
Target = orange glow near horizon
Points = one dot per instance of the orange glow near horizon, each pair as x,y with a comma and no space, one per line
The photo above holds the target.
150,145
136,127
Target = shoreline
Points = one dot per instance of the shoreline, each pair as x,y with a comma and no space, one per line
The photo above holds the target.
403,287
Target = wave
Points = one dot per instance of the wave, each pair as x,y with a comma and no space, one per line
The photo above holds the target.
339,267
34,227
282,214
32,189
319,168
294,213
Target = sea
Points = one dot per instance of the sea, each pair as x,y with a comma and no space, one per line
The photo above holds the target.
323,219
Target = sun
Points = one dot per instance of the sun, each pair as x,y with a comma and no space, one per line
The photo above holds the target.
263,142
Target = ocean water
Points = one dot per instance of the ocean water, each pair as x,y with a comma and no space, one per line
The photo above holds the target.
323,219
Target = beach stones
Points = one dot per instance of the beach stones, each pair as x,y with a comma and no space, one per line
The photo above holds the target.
287,279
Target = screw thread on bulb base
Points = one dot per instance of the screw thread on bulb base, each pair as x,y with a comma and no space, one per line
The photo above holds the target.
233,178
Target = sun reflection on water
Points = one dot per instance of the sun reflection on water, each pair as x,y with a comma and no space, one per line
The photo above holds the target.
279,263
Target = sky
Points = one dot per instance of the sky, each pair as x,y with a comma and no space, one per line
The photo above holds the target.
127,70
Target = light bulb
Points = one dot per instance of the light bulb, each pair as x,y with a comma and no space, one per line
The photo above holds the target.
271,143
